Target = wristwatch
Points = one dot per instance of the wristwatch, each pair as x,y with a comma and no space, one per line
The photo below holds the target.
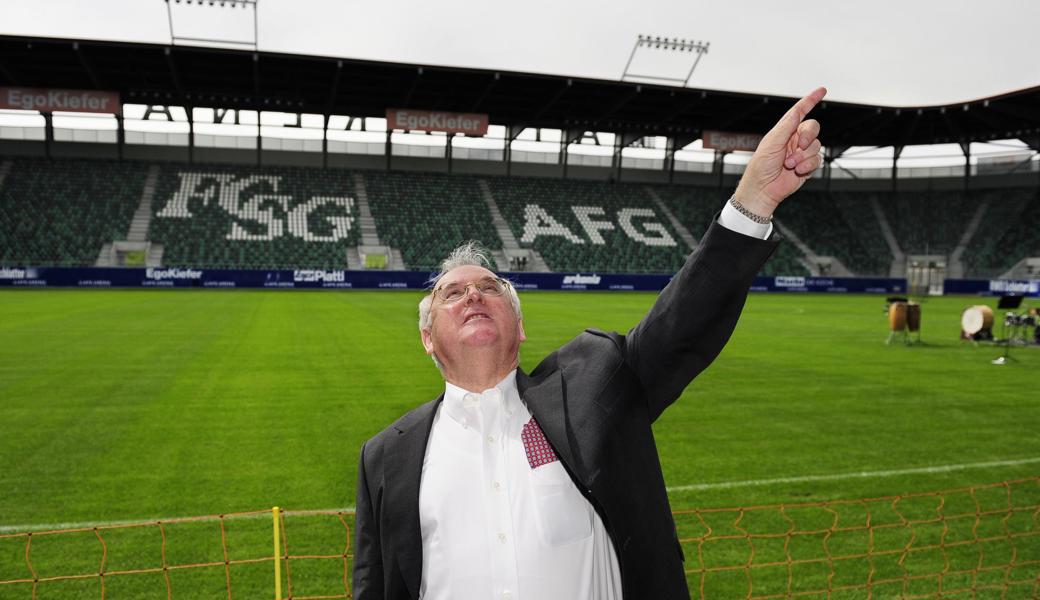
747,213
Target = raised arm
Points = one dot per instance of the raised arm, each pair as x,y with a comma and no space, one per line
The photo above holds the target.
694,316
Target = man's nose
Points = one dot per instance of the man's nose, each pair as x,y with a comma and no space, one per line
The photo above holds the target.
473,294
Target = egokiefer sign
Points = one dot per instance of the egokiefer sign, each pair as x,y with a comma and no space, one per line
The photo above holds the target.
729,141
50,100
426,120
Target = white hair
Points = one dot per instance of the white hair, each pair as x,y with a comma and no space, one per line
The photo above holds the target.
472,253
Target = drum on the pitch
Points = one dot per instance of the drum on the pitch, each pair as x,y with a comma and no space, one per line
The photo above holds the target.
913,317
976,319
897,312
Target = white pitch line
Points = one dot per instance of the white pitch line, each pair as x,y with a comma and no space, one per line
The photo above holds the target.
724,485
721,485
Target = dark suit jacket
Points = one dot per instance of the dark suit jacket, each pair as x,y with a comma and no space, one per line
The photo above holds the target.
595,398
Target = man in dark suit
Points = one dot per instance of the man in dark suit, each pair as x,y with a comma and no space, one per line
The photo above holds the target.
548,486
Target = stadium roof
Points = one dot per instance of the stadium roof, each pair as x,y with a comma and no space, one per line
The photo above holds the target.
229,78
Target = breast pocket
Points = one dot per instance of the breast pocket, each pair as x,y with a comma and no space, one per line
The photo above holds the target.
564,515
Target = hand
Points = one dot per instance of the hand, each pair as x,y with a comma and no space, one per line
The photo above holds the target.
784,159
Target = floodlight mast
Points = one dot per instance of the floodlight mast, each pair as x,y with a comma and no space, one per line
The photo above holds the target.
246,4
698,48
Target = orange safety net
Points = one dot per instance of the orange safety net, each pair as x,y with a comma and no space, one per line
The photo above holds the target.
981,541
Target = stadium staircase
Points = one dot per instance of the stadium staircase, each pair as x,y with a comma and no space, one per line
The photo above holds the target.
679,228
999,247
114,254
427,215
898,266
370,243
518,259
814,263
955,267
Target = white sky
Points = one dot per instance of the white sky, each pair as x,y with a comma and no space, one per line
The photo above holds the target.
887,52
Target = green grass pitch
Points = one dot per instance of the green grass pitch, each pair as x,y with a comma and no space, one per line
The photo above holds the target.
139,405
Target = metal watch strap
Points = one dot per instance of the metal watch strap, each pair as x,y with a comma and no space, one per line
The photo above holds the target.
747,213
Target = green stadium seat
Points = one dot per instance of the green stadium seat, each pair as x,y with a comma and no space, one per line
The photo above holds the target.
427,215
623,232
61,212
254,218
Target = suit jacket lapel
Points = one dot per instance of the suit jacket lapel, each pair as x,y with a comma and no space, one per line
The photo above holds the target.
545,398
404,459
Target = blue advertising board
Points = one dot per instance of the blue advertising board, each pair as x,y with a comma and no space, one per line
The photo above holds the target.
174,277
993,287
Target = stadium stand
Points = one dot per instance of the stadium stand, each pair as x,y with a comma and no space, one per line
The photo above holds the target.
583,226
244,217
427,215
696,207
1006,234
816,218
857,212
60,212
785,261
693,206
928,222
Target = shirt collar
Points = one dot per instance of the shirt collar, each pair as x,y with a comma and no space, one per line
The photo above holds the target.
463,406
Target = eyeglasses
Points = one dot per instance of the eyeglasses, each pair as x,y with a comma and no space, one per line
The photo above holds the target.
488,286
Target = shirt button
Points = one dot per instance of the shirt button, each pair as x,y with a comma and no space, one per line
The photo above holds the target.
497,486
506,595
502,538
491,439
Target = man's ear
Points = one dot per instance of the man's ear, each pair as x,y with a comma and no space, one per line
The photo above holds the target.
427,340
520,326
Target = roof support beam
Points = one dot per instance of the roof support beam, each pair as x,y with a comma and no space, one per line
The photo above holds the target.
747,112
7,73
406,103
686,105
987,119
1033,141
552,100
622,141
256,78
174,76
622,101
672,145
1006,108
87,65
853,125
484,94
334,88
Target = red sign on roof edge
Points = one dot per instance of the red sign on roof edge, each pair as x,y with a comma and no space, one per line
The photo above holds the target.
50,100
728,141
425,120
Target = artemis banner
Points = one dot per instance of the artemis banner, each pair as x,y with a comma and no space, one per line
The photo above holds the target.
49,100
425,120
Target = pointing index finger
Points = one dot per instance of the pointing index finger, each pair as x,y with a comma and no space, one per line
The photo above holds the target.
800,109
806,104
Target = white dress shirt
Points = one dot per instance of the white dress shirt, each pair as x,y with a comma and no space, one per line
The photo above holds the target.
493,527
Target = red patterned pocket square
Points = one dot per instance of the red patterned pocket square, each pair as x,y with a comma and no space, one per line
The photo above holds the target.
539,452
